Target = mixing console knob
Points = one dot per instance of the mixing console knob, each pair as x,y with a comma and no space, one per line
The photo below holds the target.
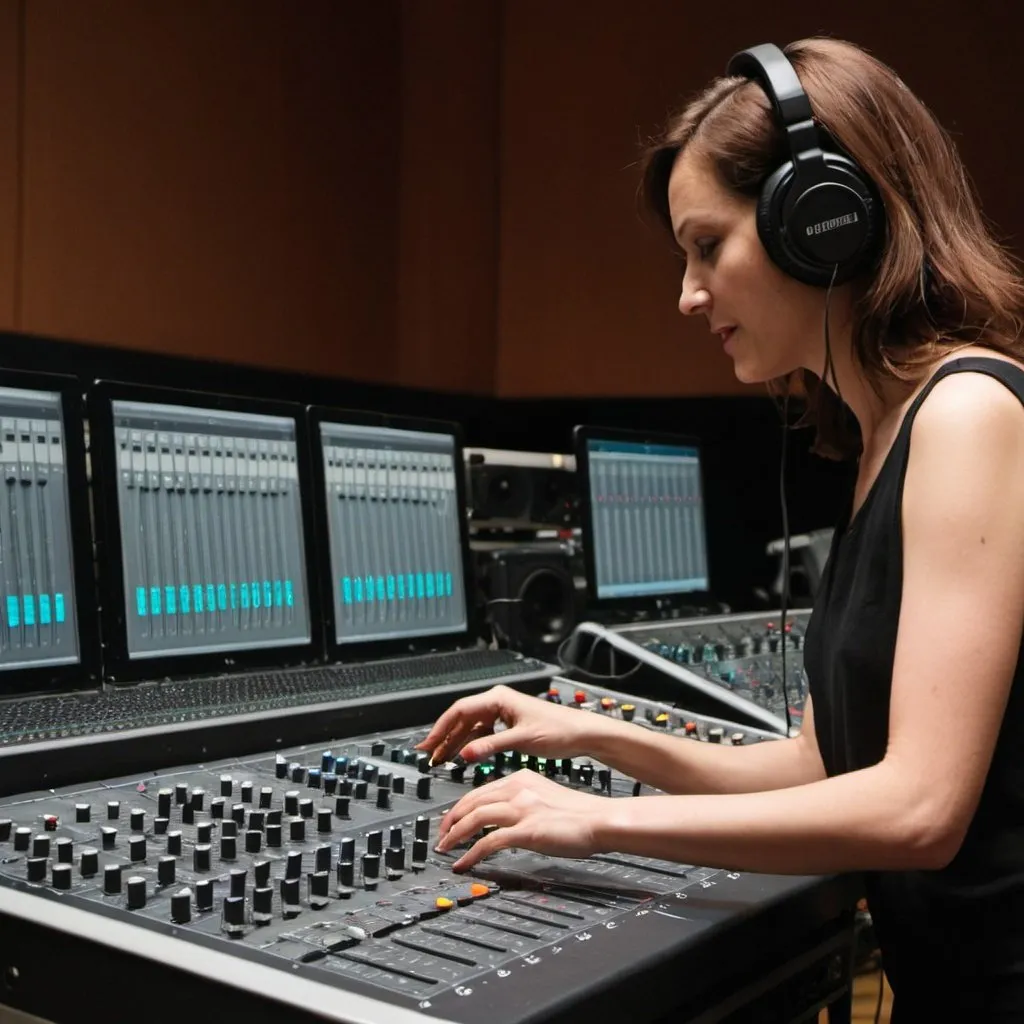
217,807
423,788
353,767
160,826
398,754
174,843
228,847
298,773
374,841
346,877
737,738
359,790
384,799
716,734
690,728
369,772
138,820
344,786
604,778
90,862
322,858
554,696
112,879
201,857
280,767
137,849
330,782
238,814
245,790
290,895
313,779
257,820
607,703
411,757
108,836
136,892
628,711
341,806
188,814
181,907
61,876
531,762
229,828
566,766
165,870
293,865
422,827
41,846
347,849
196,799
579,698
517,760
341,766
266,796
306,808
5,829
576,775
384,779
394,862
36,868
457,772
181,792
233,920
227,785
318,886
398,783
291,802
587,774
551,768
419,852
113,810
274,817
371,866
262,905
261,873
297,830
396,838
481,774
237,881
377,748
65,851
661,720
323,819
163,803
253,841
83,812
326,762
204,894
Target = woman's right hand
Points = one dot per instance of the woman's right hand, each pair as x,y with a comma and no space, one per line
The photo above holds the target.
532,726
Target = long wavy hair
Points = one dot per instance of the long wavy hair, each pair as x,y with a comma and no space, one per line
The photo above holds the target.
942,280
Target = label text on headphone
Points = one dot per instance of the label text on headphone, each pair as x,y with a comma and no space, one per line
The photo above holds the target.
824,226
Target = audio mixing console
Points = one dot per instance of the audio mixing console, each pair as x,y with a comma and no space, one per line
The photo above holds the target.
307,879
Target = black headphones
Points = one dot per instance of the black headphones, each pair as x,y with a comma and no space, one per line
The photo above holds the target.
818,216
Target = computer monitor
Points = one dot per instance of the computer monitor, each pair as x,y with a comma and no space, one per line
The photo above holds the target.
47,619
205,529
391,515
643,522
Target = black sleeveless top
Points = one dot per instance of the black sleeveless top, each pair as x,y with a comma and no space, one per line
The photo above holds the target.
956,935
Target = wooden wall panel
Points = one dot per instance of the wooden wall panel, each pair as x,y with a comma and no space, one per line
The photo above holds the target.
10,158
448,247
587,295
215,179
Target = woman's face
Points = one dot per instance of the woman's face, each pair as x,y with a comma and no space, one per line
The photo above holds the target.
769,323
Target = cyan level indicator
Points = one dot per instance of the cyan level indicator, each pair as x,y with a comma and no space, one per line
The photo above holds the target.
403,586
34,609
200,597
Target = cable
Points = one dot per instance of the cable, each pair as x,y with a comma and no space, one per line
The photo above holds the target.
881,991
785,560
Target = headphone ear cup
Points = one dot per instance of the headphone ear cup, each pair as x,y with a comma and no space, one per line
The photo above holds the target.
770,205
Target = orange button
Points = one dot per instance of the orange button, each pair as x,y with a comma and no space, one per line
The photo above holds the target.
579,696
443,903
691,726
478,889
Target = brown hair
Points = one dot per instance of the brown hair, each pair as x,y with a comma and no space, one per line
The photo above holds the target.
942,281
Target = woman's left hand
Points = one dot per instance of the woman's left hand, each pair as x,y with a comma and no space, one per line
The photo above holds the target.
531,812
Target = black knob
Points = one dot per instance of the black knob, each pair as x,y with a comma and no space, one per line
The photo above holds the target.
359,789
217,807
716,734
280,767
5,829
604,779
229,828
383,799
290,892
261,873
551,767
204,832
201,857
374,841
396,837
345,787
291,802
246,792
318,884
566,766
327,761
113,810
196,799
352,767
297,830
293,866
137,849
341,806
204,894
112,879
90,862
423,787
457,772
65,851
137,819
163,803
174,844
398,784
83,812
313,778
166,868
423,763
227,785
36,869
347,850
181,907
188,814
341,766
108,836
253,841
234,911
394,861
323,820
273,835
587,774
422,827
481,774
181,792
41,846
275,817
61,876
136,892
330,782
419,851
371,866
160,826
266,797
306,808
346,874
377,748
397,754
228,847
238,876
384,779
298,773
262,903
238,814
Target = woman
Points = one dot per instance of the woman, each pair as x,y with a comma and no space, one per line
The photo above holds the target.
910,764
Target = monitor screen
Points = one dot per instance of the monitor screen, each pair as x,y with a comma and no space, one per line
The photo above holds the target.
394,532
38,622
211,530
647,531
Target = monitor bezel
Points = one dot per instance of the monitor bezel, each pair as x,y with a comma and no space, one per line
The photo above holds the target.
119,667
584,433
366,650
87,672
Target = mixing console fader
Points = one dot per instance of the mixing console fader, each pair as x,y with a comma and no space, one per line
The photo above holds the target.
308,879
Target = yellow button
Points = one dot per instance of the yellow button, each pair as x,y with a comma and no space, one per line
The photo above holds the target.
443,903
663,717
629,707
